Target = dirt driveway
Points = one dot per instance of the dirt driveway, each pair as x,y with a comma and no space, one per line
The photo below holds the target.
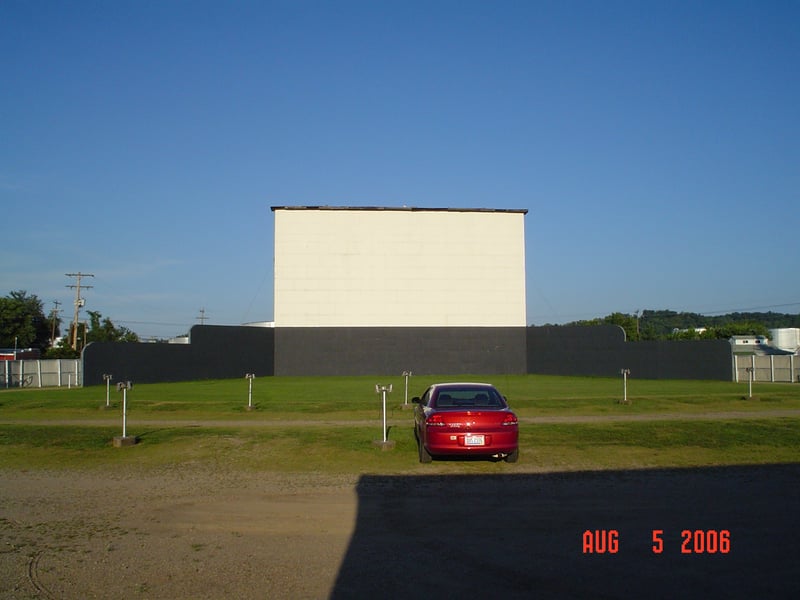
199,533
190,533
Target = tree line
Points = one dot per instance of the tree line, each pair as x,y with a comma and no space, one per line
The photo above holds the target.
23,324
671,325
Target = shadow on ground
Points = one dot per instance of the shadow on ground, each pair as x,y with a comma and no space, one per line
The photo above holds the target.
521,536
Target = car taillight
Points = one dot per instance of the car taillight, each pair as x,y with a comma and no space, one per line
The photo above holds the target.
509,419
435,421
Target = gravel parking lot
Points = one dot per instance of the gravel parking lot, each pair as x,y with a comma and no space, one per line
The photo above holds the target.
195,532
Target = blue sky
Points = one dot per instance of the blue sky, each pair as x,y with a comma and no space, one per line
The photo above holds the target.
656,145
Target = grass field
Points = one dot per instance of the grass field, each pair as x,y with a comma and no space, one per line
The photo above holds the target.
329,423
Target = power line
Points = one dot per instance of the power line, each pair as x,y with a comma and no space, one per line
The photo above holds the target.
696,310
752,308
128,322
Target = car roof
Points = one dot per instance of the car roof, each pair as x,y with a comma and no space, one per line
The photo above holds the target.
462,384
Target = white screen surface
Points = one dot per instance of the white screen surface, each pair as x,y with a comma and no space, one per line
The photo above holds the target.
363,267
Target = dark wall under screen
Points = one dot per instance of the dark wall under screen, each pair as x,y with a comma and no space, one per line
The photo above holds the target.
392,350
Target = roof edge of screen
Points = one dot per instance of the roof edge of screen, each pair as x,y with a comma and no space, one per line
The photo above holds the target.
403,208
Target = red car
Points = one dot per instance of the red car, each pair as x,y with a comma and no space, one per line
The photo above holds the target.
466,419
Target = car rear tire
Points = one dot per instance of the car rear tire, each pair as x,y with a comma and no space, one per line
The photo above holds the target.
513,457
424,455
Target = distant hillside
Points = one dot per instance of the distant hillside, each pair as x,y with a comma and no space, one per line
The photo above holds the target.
664,322
668,324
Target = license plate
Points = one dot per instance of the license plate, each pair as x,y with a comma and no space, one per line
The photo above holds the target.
474,440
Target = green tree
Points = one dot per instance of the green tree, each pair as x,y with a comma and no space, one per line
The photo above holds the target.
671,325
62,350
689,334
100,329
103,330
728,330
22,322
628,322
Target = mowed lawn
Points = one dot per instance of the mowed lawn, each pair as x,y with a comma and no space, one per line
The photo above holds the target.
328,424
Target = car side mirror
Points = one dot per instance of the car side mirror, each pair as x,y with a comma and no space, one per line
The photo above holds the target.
415,400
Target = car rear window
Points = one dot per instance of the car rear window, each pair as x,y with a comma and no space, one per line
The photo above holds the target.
469,398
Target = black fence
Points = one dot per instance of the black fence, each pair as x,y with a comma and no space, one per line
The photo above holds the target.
215,352
602,351
220,352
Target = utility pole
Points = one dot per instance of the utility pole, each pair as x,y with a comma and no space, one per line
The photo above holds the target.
79,302
202,318
54,320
